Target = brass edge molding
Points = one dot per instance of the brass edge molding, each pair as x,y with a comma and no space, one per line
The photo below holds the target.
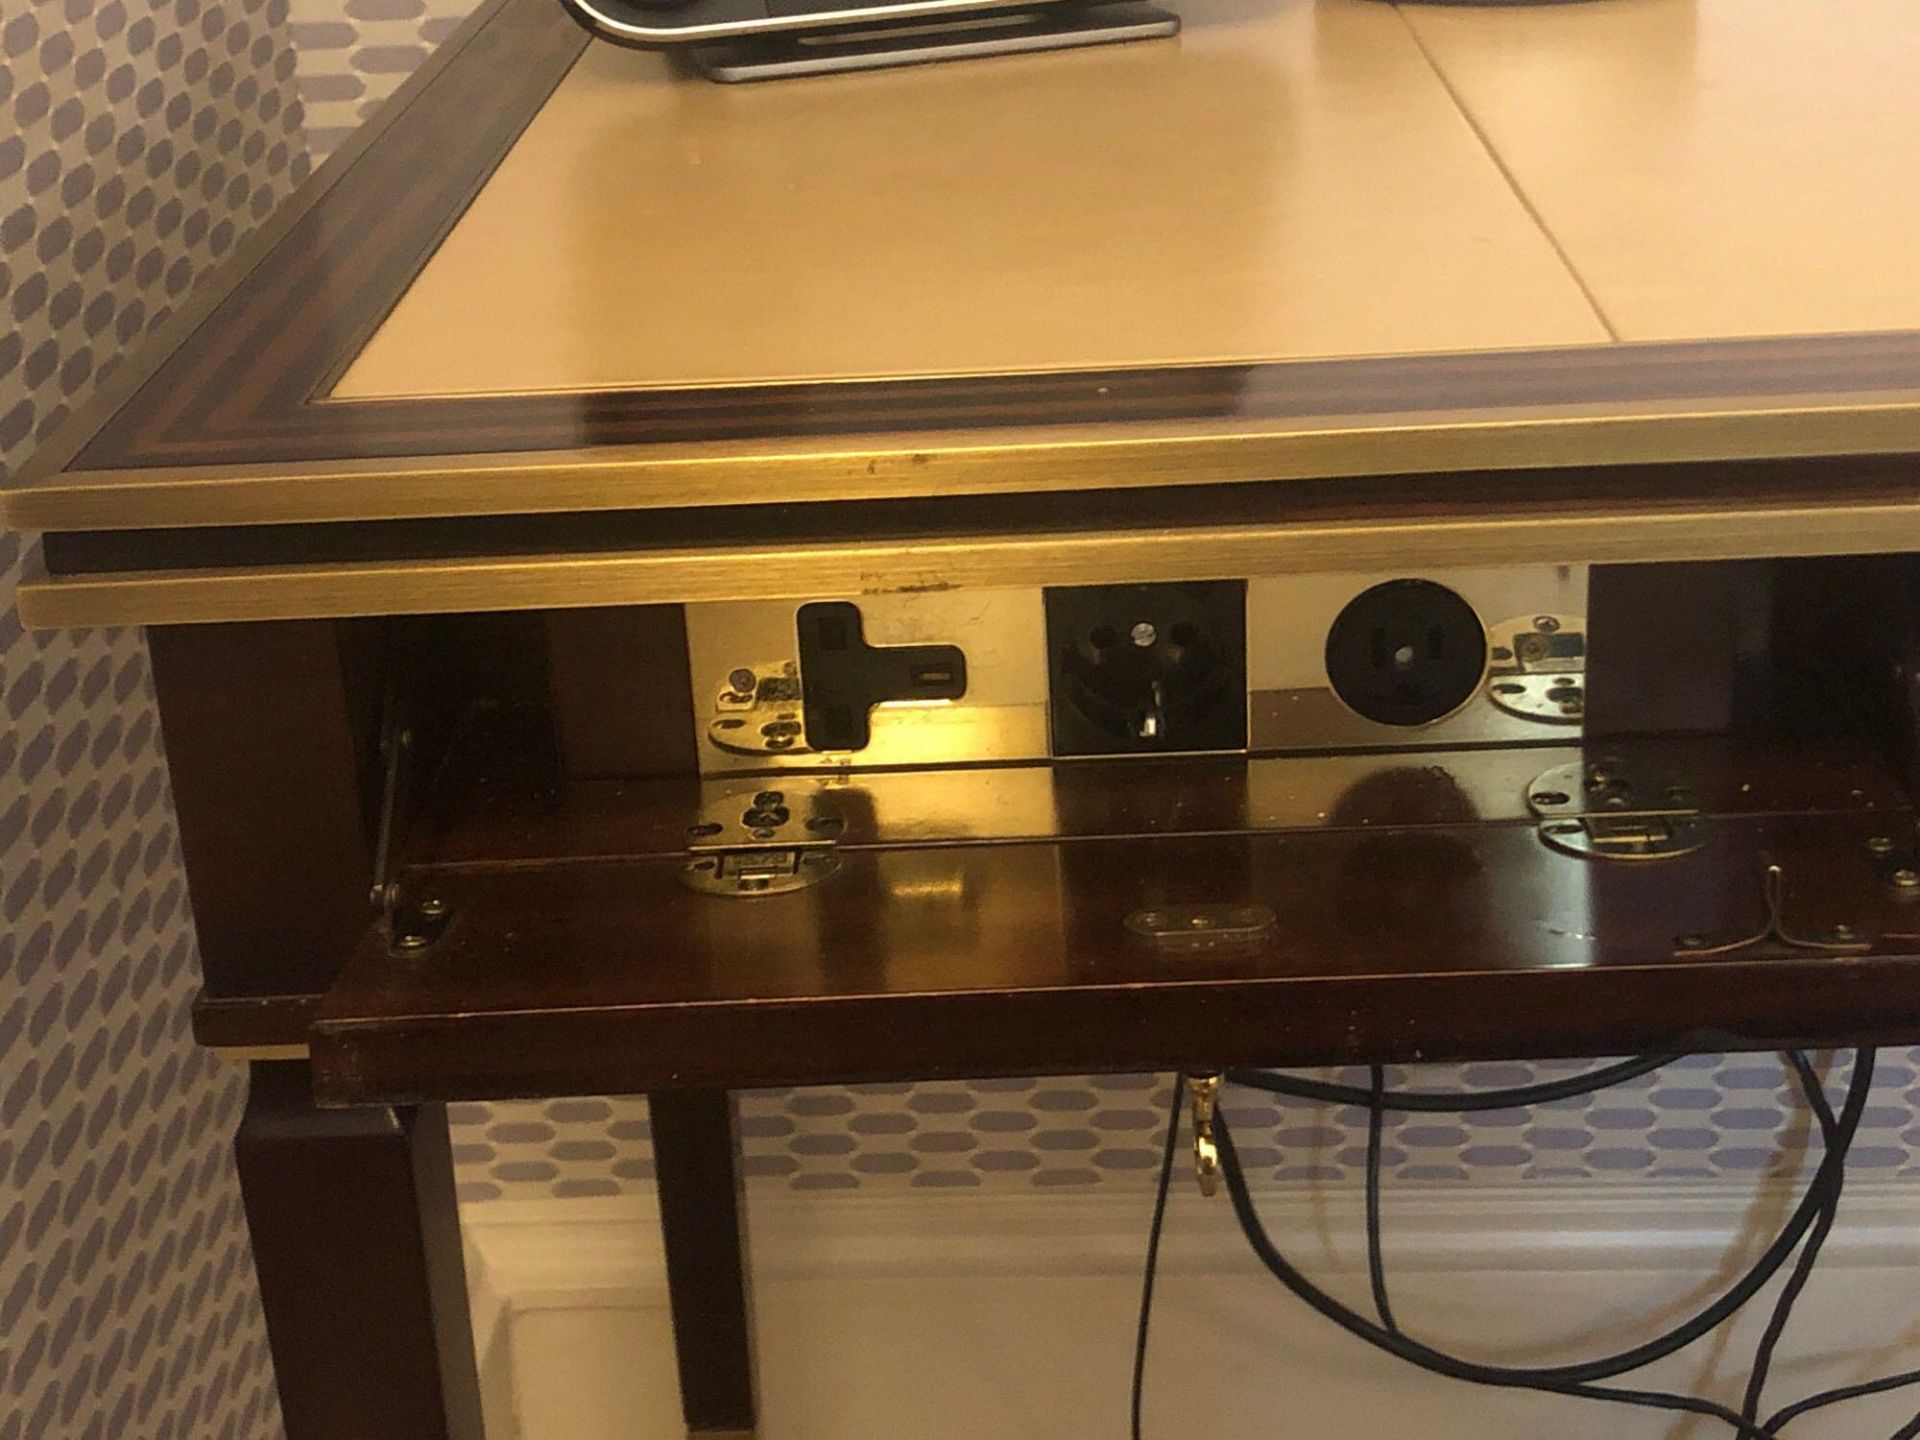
250,1054
42,470
1697,532
1065,457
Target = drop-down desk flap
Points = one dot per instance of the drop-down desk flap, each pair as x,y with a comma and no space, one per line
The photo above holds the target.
1279,911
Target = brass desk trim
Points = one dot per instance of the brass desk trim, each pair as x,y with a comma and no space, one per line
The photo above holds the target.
1011,461
257,1054
1730,531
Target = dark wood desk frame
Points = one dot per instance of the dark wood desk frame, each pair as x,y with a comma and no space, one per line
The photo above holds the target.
215,480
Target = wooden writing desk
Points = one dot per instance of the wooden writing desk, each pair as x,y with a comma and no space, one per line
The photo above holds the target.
562,343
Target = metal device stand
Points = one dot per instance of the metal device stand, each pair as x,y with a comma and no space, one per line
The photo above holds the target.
1058,27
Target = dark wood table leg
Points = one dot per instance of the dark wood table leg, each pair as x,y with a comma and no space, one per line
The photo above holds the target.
703,1220
356,1238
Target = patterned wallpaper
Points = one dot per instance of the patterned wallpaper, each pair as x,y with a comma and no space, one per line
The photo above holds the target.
143,139
1706,1116
1703,1117
353,53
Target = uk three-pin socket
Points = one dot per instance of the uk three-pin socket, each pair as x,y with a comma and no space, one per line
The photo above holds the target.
842,677
1407,653
1142,669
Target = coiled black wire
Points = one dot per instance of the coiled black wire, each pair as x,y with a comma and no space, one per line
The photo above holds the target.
1153,1252
1809,1254
1575,1379
1815,1213
1455,1102
1682,1335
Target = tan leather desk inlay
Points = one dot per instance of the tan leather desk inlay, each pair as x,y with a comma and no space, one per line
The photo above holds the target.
1712,168
1287,180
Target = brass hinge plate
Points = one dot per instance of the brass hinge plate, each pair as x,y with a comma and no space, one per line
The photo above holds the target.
1537,668
761,840
1603,809
759,712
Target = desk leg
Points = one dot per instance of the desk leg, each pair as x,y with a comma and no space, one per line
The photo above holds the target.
703,1221
356,1239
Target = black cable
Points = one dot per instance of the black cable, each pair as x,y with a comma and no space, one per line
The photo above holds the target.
1414,1352
1153,1250
1909,1430
1376,1255
1743,1290
1784,1417
1818,1205
1454,1102
1809,1255
1570,1380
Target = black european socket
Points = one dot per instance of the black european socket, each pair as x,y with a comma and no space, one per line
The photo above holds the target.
842,677
1140,669
1406,652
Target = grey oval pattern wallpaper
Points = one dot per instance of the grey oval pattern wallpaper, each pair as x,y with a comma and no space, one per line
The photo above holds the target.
143,140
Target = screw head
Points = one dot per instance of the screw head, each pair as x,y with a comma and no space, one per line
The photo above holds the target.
1692,942
1907,878
1880,845
432,906
1143,634
410,940
742,680
1545,624
1841,933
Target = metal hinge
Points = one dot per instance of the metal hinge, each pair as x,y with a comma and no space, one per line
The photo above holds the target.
1837,940
413,924
1605,809
1203,1093
759,841
1896,859
1537,668
759,711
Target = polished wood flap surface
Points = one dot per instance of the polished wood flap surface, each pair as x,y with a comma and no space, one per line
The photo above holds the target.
1408,924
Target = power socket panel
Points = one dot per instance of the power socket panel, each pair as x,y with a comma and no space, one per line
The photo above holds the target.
1148,669
842,677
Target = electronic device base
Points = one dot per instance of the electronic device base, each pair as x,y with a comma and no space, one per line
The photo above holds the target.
1058,27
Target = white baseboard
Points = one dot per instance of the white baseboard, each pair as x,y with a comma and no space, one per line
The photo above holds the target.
970,1314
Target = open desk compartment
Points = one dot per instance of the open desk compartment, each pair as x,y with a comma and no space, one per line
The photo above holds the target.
1759,888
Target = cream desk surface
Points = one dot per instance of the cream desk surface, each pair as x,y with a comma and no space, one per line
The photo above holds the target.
1326,240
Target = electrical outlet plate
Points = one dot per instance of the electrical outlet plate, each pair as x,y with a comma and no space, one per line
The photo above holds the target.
1154,669
1293,705
747,686
1002,716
